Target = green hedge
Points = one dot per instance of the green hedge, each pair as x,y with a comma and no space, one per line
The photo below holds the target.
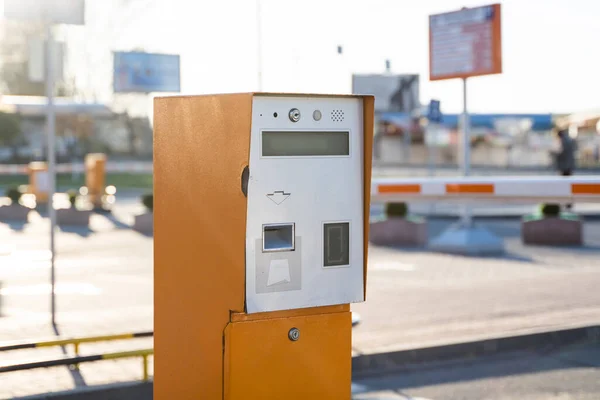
396,210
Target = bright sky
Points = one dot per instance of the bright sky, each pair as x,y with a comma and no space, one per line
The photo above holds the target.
551,53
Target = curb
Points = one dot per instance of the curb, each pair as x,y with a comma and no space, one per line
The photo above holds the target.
453,215
503,217
374,364
383,363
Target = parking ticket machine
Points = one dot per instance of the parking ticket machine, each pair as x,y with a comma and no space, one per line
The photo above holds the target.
39,181
95,177
260,243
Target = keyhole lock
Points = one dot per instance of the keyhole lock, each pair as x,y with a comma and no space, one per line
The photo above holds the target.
294,334
294,115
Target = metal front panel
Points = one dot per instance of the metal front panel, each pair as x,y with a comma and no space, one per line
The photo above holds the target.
316,183
304,357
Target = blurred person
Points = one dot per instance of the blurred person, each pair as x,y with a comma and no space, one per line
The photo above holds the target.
597,142
596,148
404,99
382,128
565,155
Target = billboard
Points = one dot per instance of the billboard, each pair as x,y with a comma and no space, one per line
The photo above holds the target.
53,11
36,63
393,93
136,72
465,43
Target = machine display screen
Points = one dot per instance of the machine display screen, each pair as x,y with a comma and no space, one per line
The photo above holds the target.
305,143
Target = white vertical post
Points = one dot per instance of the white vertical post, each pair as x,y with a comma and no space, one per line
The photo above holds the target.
432,150
259,43
50,126
466,150
432,131
466,135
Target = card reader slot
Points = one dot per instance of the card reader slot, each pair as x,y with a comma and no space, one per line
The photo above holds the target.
278,237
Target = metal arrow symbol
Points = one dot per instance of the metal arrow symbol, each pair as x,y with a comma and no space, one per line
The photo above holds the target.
278,196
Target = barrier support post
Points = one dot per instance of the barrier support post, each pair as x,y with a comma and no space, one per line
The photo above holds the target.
465,237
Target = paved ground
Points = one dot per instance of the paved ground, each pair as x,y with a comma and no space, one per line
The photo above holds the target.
104,286
415,298
427,299
567,374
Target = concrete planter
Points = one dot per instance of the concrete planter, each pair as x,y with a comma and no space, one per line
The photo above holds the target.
552,231
144,222
398,232
73,217
14,212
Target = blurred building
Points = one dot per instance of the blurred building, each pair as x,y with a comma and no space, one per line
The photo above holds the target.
496,139
585,127
392,92
80,128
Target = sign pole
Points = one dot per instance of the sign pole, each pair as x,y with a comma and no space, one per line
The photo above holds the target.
466,164
434,117
50,125
477,32
466,153
433,133
431,130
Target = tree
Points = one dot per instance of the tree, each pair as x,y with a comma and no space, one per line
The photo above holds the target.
10,131
14,55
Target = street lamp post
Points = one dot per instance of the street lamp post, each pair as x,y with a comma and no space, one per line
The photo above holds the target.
51,12
50,127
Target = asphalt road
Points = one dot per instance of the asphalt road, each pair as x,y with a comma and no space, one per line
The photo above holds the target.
563,374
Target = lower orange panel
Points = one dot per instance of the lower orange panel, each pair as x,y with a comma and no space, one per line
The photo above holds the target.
261,362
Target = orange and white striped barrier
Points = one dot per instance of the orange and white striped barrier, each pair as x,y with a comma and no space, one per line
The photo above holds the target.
124,167
13,169
492,189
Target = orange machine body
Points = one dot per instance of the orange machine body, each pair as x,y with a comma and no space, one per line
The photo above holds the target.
206,346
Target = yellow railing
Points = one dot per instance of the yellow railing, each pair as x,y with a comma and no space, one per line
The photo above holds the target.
77,359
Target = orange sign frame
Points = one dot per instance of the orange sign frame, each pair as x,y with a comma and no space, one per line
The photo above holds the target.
496,47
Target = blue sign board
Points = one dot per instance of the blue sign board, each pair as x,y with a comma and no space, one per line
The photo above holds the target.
434,113
136,72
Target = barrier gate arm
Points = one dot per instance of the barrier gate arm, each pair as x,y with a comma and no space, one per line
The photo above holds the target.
488,189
